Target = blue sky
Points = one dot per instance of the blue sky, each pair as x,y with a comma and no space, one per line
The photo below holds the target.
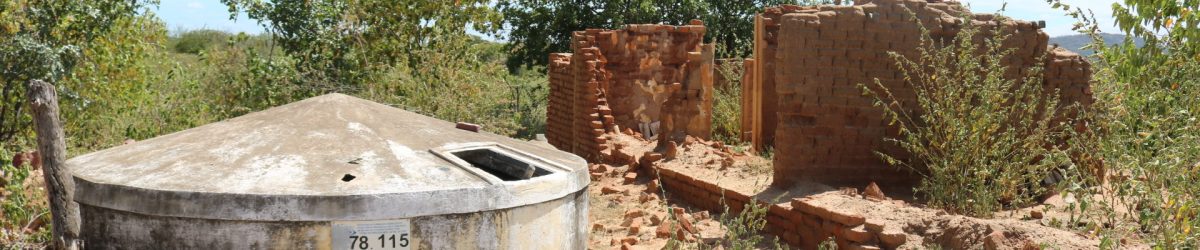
1056,23
211,14
202,14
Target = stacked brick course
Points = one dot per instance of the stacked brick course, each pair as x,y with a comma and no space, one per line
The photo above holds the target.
810,61
800,223
633,78
559,110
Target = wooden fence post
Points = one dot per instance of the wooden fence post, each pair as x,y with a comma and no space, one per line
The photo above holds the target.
43,104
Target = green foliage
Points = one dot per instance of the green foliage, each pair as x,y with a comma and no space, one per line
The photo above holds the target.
415,56
251,78
513,105
744,229
195,41
979,139
130,87
44,40
21,207
337,46
1148,105
828,244
727,104
1146,19
539,27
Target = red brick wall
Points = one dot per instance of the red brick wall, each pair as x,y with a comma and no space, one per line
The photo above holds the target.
798,222
560,109
618,79
821,125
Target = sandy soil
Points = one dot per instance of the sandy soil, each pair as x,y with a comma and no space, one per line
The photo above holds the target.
617,200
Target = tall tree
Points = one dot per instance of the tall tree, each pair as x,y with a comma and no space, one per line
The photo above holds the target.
338,45
538,27
43,40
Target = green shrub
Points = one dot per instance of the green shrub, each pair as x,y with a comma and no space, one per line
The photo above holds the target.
744,229
1147,113
727,104
979,140
195,41
477,90
21,207
43,40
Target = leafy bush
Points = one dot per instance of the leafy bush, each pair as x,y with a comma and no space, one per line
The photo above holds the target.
727,104
1147,113
22,208
338,46
513,105
744,230
195,41
43,40
540,27
980,140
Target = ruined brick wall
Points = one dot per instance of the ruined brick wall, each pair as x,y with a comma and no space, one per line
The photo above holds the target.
641,77
749,99
560,108
811,59
800,223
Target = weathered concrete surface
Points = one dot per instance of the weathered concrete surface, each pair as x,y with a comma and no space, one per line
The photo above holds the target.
548,225
283,169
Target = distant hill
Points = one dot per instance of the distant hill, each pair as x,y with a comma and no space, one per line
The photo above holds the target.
1076,42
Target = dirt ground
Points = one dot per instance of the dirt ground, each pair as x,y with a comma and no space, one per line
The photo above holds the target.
628,211
619,193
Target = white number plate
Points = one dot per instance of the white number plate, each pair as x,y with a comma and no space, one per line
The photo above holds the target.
360,235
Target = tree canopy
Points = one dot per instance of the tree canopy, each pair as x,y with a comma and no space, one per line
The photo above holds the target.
338,44
45,40
539,27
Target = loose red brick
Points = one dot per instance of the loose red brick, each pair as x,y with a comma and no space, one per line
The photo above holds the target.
468,126
874,225
686,224
683,235
634,213
651,157
631,240
635,227
665,229
610,190
995,241
630,178
671,151
657,218
892,239
603,168
653,186
857,234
